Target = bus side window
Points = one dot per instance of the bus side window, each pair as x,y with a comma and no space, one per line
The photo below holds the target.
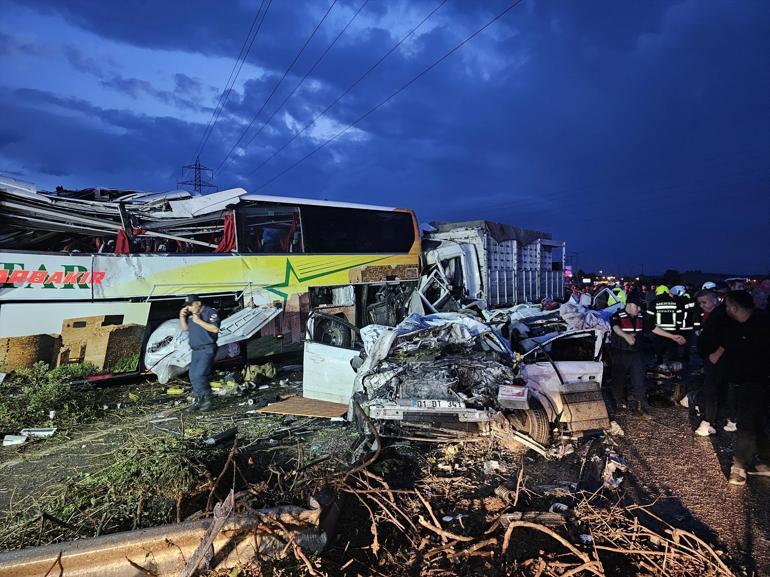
269,230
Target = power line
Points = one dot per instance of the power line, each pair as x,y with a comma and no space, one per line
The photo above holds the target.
225,95
349,88
308,73
285,73
398,91
197,181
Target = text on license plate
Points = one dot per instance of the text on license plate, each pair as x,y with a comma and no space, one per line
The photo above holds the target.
436,404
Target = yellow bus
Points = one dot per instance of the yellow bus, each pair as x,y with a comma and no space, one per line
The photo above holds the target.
99,275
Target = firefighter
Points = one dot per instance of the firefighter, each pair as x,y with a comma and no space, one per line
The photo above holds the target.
686,319
662,316
201,322
627,357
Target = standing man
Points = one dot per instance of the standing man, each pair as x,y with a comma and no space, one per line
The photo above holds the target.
746,344
650,296
662,316
713,323
202,325
626,346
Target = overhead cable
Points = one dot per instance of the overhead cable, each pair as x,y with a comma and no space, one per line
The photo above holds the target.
236,70
395,93
275,87
349,88
308,73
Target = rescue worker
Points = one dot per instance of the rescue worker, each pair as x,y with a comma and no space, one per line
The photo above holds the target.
201,323
662,317
617,295
627,357
746,344
685,319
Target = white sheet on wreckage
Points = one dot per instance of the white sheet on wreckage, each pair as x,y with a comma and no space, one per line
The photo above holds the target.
516,313
174,359
463,329
579,317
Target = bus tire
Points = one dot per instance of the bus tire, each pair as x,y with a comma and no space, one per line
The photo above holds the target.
533,422
328,332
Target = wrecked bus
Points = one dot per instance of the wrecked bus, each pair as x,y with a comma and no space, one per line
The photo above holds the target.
99,275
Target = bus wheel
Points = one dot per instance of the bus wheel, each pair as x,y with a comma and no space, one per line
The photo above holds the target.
532,422
328,332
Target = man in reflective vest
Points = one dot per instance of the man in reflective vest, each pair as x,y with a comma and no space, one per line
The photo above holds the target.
662,316
686,319
627,361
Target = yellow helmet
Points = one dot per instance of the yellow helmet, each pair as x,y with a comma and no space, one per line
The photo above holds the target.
661,290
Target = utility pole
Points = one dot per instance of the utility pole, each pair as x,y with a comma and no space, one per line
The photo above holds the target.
197,181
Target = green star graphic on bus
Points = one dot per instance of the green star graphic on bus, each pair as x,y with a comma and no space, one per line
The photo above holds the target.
299,280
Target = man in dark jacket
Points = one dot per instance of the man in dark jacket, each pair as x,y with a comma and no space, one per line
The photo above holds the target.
713,323
746,344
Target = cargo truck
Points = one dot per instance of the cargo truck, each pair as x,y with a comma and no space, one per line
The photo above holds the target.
498,264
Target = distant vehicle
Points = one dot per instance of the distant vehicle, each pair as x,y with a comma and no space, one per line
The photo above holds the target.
89,276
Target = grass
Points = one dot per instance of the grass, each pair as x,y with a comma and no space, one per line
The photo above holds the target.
27,396
148,481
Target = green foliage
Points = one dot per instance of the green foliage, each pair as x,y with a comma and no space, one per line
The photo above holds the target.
148,482
28,395
149,473
127,364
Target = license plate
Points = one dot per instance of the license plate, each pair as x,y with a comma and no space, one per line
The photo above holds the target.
437,404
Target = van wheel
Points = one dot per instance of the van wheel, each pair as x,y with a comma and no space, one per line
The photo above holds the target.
328,332
532,422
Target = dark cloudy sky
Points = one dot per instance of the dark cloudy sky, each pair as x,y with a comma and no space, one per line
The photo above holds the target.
639,132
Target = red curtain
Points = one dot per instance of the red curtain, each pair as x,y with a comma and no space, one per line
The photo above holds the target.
227,244
286,242
122,246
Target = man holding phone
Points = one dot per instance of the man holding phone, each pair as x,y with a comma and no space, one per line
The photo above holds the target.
201,322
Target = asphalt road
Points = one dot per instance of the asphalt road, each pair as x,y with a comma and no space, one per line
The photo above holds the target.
689,475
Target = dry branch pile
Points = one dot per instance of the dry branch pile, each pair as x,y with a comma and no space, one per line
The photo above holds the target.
596,536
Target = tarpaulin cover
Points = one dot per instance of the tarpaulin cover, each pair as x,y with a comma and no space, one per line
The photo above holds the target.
500,232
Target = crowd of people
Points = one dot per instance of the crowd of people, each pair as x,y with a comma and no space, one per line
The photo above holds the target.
728,324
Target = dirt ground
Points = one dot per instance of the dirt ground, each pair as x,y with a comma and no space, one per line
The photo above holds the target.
681,475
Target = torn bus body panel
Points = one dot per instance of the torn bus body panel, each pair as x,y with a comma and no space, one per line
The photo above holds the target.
168,352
